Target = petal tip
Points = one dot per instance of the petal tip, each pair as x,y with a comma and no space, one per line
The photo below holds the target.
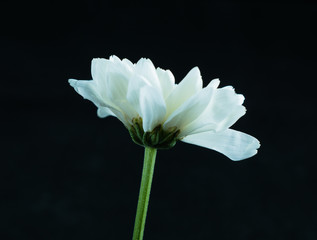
72,82
196,70
114,58
143,61
214,83
94,60
250,151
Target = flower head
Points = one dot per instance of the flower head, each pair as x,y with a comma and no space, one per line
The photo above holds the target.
158,112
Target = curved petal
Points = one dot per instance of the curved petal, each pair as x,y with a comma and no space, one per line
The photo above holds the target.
116,89
190,110
115,59
191,84
167,81
99,68
146,69
224,109
103,112
128,63
233,144
87,89
125,66
152,108
136,83
214,83
112,78
201,122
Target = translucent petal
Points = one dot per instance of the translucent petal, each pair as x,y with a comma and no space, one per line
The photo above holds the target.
202,121
116,91
191,84
115,59
136,83
99,68
224,109
128,63
124,66
152,107
214,83
88,90
116,86
189,110
146,69
112,78
233,144
103,112
167,81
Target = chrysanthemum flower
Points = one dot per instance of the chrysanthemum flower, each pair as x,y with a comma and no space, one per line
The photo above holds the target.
158,112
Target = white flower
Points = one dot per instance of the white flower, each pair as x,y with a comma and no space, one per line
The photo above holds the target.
158,112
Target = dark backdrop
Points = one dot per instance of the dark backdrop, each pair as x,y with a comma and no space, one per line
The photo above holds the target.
66,174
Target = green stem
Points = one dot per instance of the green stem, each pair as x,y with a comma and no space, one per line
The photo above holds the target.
144,195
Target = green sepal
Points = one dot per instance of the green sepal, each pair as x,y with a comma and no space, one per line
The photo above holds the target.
151,139
158,138
136,131
169,139
135,137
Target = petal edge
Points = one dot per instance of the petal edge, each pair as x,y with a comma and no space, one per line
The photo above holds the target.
233,144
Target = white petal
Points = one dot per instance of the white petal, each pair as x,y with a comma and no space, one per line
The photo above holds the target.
167,81
190,110
112,78
152,107
146,69
224,109
234,144
103,112
214,83
88,90
124,66
128,63
115,59
136,83
116,86
99,68
116,91
191,84
202,121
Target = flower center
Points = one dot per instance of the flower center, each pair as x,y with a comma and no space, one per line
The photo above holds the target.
157,138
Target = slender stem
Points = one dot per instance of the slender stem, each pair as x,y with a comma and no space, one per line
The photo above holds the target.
144,195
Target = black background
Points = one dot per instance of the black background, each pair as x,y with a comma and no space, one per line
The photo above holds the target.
67,174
